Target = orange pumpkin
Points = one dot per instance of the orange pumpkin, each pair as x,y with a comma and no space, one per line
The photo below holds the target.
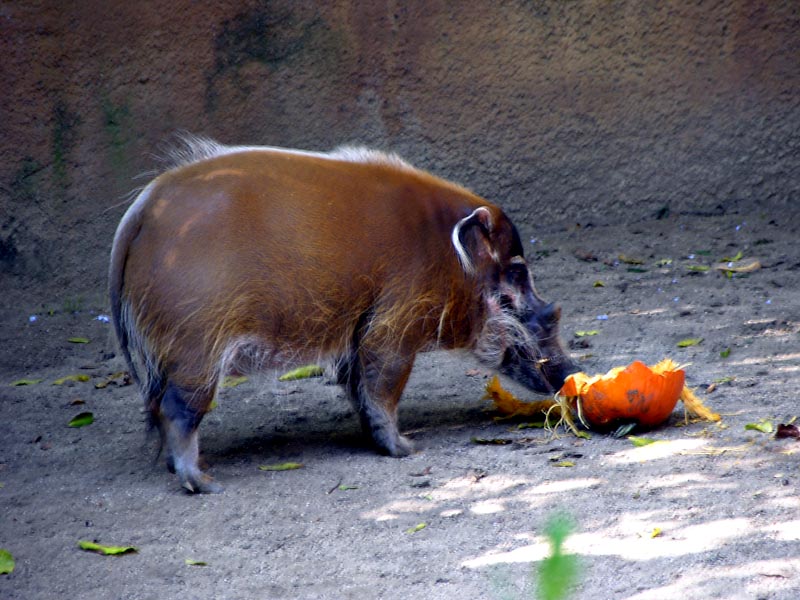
636,393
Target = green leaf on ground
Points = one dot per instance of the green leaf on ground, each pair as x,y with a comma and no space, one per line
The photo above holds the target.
416,528
82,419
196,563
20,382
302,373
287,466
230,381
764,426
689,342
106,550
78,340
640,441
737,256
6,562
78,377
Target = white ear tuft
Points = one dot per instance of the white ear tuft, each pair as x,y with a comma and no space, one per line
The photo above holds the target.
484,216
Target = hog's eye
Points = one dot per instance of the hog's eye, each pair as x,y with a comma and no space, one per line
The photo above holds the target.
517,275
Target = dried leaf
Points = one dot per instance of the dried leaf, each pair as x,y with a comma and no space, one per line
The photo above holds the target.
106,550
491,441
764,426
6,562
664,262
628,260
598,283
729,267
20,382
698,268
78,340
584,255
287,466
656,532
230,381
689,342
81,420
787,431
564,463
582,333
78,377
416,528
302,373
120,378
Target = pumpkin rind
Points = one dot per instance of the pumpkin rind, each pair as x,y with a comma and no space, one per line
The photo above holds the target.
635,393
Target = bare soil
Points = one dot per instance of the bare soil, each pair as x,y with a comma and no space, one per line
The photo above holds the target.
712,512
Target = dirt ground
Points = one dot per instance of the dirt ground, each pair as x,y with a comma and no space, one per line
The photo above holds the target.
724,498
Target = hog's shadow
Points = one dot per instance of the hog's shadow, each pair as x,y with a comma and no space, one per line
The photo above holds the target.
260,433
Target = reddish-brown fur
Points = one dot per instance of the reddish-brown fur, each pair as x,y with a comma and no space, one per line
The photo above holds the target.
262,257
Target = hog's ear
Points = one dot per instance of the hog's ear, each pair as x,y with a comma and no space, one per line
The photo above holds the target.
472,239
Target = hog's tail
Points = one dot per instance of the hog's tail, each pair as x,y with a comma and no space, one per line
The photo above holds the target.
142,364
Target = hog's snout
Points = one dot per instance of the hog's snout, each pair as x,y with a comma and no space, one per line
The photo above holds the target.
541,363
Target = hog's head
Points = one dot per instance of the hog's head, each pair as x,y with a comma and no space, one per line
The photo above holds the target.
520,334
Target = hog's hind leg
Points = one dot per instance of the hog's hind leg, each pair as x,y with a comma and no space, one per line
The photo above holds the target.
178,418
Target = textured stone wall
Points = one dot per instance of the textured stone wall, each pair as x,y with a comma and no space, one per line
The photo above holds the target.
562,112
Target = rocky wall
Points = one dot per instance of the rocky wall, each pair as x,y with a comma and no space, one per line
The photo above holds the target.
562,112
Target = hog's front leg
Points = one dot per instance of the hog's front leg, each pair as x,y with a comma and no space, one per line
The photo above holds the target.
374,382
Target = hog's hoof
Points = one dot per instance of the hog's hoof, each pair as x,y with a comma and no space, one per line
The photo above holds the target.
398,447
201,484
